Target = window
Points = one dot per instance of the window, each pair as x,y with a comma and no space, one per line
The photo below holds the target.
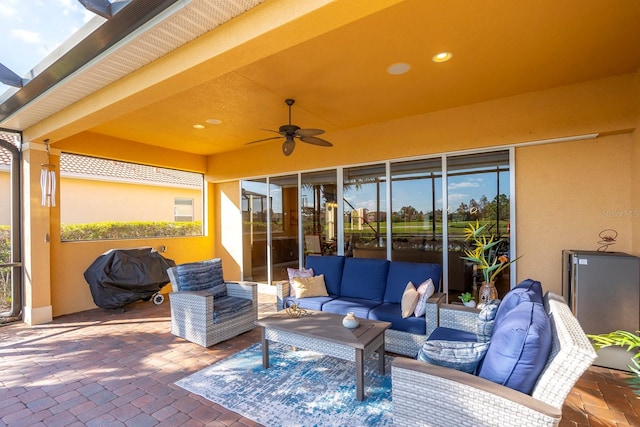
416,211
478,189
347,211
108,199
365,211
320,211
183,210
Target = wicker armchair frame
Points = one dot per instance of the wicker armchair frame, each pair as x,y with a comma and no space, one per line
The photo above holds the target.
192,315
447,397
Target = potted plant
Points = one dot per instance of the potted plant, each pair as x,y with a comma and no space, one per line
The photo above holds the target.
467,299
484,253
621,339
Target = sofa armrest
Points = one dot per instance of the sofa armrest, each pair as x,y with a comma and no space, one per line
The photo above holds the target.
433,308
456,398
459,317
282,291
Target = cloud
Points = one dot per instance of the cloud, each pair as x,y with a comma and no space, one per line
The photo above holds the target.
8,11
25,36
466,184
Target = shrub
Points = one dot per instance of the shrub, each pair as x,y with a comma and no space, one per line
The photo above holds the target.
128,230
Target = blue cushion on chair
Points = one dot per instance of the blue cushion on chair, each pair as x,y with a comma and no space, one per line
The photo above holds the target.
364,278
449,334
331,266
201,275
513,298
519,348
532,285
227,307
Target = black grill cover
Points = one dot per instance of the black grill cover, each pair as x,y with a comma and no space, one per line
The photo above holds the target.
123,276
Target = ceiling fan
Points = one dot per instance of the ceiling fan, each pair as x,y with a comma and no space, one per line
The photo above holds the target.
290,132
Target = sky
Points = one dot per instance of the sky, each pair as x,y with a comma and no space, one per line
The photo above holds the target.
31,29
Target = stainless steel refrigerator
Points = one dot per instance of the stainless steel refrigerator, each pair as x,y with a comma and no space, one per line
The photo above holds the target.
603,291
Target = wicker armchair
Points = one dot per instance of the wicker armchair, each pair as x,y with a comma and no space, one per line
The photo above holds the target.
205,309
429,395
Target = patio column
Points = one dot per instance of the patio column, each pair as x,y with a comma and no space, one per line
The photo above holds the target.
36,219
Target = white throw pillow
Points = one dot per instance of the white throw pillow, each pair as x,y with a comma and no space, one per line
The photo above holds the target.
409,300
426,289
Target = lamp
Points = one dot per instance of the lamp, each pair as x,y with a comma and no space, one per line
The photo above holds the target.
48,180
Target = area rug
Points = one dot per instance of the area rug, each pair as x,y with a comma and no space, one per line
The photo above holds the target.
301,388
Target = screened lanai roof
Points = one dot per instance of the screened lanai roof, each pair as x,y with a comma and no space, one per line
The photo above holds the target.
111,170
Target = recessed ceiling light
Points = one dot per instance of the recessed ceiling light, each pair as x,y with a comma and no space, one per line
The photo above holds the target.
398,68
442,57
214,121
198,126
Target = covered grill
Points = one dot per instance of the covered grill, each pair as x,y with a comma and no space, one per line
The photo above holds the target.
122,276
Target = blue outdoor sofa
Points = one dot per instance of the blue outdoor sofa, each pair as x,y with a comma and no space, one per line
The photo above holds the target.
372,289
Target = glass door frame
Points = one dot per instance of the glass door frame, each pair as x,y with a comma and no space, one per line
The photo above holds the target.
15,263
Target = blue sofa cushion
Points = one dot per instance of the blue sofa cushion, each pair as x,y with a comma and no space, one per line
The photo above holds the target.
448,334
519,348
514,297
388,312
342,305
401,273
331,266
459,355
228,307
201,275
311,303
365,278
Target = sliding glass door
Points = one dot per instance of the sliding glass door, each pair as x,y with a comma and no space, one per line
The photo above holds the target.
319,201
416,211
283,193
478,189
393,210
365,211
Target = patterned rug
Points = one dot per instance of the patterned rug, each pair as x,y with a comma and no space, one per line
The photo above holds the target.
301,388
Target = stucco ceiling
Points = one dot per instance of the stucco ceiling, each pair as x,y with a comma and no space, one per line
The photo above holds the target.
333,61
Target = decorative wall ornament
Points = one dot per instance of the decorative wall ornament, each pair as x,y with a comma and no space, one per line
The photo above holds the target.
48,180
608,238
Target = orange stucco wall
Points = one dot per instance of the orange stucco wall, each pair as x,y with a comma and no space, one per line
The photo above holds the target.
567,194
84,201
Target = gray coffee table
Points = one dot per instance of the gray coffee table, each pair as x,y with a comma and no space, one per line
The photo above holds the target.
323,332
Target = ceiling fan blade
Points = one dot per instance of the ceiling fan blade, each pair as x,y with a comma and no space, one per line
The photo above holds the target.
263,139
288,146
316,141
274,131
308,132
